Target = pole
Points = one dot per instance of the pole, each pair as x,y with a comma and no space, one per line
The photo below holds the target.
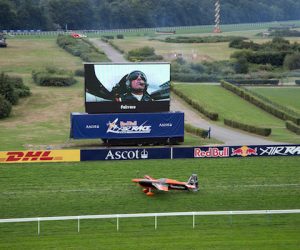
193,220
118,223
78,225
38,226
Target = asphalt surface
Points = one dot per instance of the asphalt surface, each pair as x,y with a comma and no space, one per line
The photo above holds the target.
224,134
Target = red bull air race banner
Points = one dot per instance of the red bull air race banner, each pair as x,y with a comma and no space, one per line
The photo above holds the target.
236,151
127,126
190,152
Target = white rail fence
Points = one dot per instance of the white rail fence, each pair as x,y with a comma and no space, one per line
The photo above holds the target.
143,215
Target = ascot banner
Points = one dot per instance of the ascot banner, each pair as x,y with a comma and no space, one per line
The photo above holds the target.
39,156
125,154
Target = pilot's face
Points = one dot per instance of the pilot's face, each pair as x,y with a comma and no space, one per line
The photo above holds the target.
139,83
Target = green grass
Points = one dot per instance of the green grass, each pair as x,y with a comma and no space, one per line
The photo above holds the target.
24,55
230,106
58,189
190,52
266,234
288,97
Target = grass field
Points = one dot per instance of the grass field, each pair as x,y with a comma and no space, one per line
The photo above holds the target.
190,52
230,106
57,189
279,95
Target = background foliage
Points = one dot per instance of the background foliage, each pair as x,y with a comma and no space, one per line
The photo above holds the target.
109,14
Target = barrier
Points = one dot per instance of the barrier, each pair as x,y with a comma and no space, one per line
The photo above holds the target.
146,153
143,215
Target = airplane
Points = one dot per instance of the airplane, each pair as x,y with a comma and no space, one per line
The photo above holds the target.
164,184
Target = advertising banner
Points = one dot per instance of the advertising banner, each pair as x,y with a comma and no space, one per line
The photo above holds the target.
39,156
125,154
127,87
265,150
147,153
127,126
236,151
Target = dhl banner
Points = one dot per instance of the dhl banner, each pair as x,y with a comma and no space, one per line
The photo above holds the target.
39,156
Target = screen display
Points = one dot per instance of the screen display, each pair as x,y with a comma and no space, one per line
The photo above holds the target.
127,87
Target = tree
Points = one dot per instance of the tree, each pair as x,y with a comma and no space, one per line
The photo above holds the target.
7,15
241,66
75,14
5,107
292,61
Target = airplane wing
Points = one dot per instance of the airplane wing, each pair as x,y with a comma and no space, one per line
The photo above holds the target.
160,186
149,177
170,181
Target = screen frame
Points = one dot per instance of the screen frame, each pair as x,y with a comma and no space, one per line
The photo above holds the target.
111,106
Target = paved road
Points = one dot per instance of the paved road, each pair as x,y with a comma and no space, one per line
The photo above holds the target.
111,53
227,135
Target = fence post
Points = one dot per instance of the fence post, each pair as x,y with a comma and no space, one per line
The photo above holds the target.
117,222
155,222
269,216
78,225
193,219
38,226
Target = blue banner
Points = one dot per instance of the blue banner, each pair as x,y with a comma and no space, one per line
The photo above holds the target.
236,151
127,126
125,154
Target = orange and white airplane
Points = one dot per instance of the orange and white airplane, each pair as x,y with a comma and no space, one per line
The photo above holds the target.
165,184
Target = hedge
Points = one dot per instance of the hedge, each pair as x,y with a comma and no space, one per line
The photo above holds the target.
260,103
21,89
5,107
206,39
254,81
292,127
82,48
53,77
45,79
211,115
12,88
193,77
196,131
248,128
7,90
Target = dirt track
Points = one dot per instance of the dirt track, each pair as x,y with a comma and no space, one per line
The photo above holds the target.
227,135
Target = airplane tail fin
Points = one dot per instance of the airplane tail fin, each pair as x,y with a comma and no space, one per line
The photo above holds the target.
193,180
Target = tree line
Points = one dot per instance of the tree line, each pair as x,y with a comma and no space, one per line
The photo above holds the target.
114,14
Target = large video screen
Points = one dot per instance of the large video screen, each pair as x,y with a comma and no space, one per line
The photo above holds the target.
127,87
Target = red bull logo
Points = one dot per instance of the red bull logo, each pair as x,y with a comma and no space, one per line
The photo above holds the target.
211,152
244,151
